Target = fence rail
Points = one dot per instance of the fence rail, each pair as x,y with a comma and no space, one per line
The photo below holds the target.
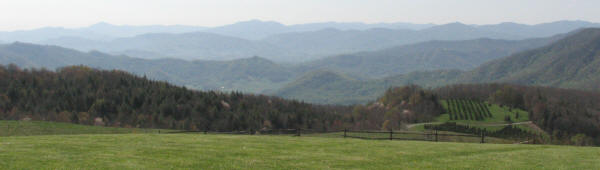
409,135
434,136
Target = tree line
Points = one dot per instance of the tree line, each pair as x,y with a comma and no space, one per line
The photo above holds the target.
79,94
83,95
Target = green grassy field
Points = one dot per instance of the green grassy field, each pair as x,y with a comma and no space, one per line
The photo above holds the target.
28,128
197,151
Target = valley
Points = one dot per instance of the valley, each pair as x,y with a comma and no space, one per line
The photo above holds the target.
299,85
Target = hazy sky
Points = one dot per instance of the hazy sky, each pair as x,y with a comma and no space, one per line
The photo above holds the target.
28,14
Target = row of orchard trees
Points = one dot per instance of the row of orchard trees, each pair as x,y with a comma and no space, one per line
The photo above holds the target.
459,109
113,98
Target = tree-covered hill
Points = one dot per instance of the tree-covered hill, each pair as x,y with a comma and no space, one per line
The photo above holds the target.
323,86
432,55
114,98
332,87
573,62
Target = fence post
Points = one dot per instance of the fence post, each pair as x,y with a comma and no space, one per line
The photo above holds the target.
483,137
436,135
345,130
205,131
298,131
391,132
158,131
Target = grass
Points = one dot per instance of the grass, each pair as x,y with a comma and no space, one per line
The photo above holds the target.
28,128
197,151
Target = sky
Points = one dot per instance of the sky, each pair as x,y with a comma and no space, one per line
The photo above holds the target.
30,14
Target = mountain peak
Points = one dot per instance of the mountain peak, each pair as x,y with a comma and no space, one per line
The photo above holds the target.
452,26
256,22
101,24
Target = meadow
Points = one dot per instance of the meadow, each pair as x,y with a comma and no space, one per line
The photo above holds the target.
195,151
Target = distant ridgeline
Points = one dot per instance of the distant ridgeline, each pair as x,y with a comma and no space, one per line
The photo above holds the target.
114,98
571,62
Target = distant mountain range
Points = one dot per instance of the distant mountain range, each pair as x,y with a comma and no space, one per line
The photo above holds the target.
251,30
248,75
260,75
189,46
431,55
568,60
99,32
272,40
572,62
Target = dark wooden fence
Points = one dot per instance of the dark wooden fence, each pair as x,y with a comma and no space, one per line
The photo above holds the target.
433,136
294,132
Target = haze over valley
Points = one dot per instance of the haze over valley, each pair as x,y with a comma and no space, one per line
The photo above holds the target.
311,84
353,53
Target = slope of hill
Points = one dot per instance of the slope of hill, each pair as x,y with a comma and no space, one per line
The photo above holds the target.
114,98
249,75
331,87
432,55
328,87
573,62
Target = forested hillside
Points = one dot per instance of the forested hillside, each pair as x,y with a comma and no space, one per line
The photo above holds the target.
573,62
114,98
432,55
324,86
331,87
